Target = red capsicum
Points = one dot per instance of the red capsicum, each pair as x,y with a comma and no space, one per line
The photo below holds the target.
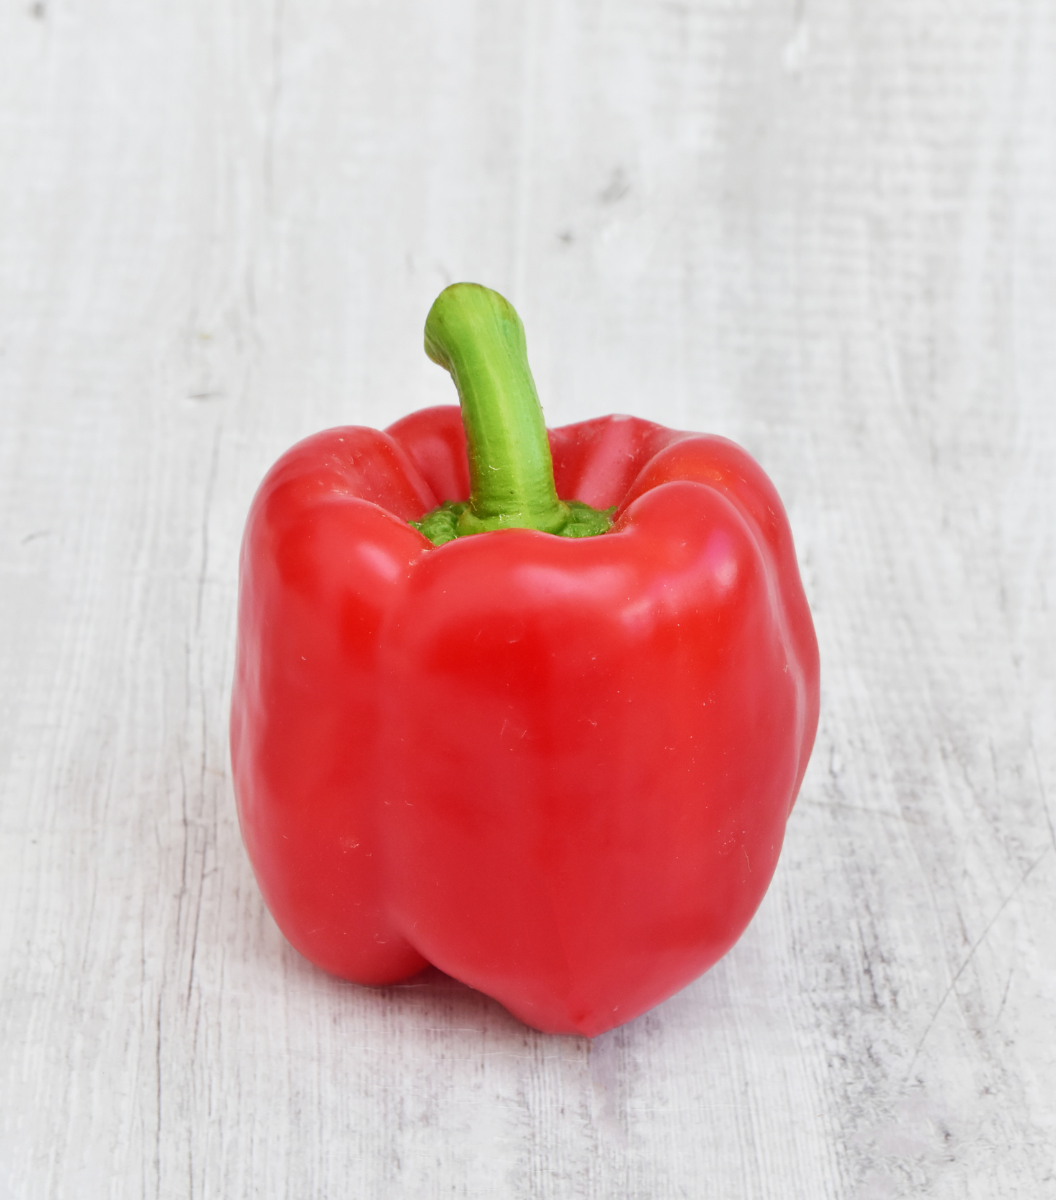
530,706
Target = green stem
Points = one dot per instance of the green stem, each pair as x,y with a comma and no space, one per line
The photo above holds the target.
476,335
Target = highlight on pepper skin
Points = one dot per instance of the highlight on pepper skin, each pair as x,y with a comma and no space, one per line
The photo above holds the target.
547,740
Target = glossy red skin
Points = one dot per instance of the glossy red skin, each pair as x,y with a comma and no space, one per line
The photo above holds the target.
557,769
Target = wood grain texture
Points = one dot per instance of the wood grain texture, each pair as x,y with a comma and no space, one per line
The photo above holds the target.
823,229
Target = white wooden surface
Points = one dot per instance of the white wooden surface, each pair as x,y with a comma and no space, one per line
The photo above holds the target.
826,229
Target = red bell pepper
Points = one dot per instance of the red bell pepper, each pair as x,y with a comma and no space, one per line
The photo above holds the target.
556,767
